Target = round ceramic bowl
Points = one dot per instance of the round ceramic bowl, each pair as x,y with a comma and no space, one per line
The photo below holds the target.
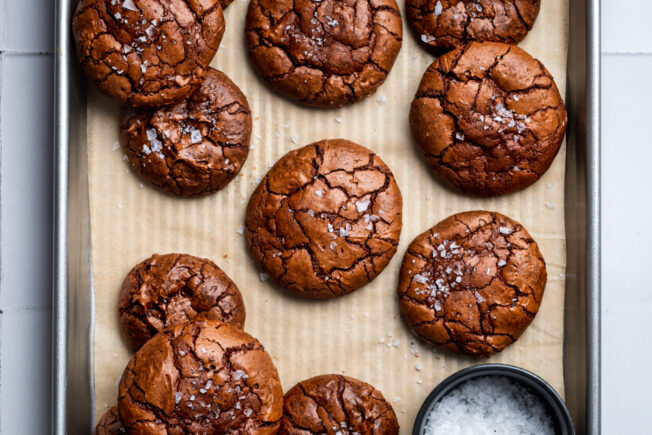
555,405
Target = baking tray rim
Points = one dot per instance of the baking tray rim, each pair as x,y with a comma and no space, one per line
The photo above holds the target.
71,226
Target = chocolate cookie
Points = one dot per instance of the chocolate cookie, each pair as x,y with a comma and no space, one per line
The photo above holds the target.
201,377
488,118
445,24
324,52
225,3
472,283
110,423
196,146
326,219
335,405
168,289
147,53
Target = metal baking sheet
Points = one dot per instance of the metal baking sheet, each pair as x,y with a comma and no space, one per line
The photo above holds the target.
73,317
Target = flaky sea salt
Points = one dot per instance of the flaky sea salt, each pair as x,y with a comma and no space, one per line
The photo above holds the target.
195,135
489,405
151,31
420,278
239,374
151,134
129,4
362,205
438,8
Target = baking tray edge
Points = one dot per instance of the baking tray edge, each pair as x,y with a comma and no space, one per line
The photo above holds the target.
72,317
582,205
72,388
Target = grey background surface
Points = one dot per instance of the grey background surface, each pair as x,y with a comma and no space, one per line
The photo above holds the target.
26,106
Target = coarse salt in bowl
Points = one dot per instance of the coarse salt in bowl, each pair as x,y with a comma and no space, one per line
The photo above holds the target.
493,399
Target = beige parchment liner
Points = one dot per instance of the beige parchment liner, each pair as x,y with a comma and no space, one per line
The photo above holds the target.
130,221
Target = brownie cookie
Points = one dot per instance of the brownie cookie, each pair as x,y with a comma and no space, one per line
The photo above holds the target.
445,24
335,404
147,53
201,377
324,52
488,118
326,219
110,423
168,289
195,147
472,283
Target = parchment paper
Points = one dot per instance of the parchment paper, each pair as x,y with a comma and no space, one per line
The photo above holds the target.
130,221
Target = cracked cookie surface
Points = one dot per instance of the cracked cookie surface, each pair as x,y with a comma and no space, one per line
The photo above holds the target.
195,147
326,219
324,52
201,377
489,118
445,24
147,53
110,423
472,283
168,289
336,405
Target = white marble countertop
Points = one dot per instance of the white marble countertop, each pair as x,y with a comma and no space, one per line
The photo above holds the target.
26,73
